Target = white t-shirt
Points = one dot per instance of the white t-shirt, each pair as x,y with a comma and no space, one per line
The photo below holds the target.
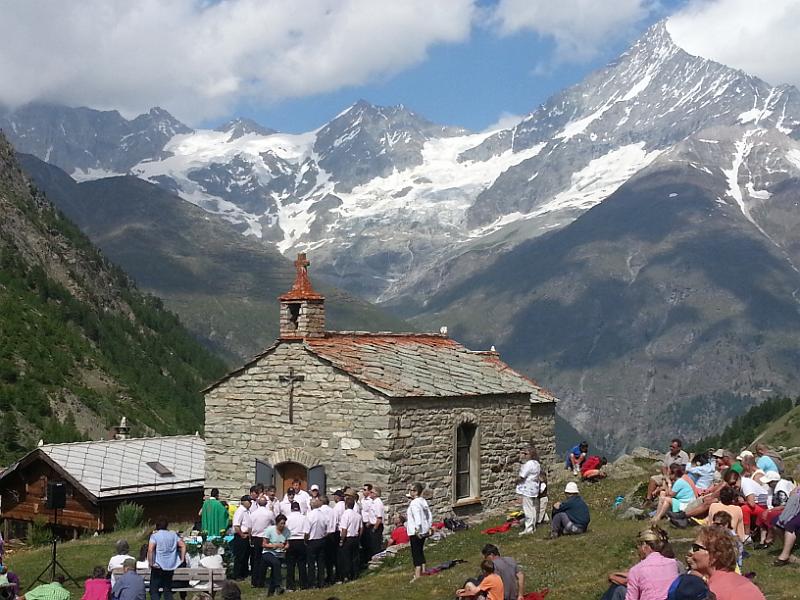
529,472
366,509
242,518
376,511
317,524
212,562
351,522
330,517
297,523
752,487
260,519
115,562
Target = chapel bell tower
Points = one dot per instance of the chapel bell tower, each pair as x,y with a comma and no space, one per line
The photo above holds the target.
302,308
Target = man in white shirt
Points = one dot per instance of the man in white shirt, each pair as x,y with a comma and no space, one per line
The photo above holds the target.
255,492
285,506
273,503
240,546
376,514
331,541
317,533
349,531
300,496
366,527
260,518
333,527
296,555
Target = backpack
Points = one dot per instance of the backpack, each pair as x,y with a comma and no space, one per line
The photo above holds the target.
777,460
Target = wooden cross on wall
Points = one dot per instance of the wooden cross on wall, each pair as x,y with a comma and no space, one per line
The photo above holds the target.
291,378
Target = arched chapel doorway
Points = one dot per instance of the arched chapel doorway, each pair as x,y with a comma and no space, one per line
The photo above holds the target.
287,472
283,466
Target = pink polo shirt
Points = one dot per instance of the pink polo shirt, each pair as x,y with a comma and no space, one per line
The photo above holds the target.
731,586
650,578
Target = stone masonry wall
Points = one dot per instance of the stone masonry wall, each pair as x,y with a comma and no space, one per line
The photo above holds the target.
338,421
424,435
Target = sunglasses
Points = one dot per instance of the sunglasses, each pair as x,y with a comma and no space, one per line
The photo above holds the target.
698,548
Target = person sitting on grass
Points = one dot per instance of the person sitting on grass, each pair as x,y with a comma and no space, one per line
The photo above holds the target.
702,472
576,456
699,507
652,576
97,587
678,497
723,519
9,583
713,557
491,585
571,516
48,591
399,534
727,504
676,455
591,469
789,524
780,489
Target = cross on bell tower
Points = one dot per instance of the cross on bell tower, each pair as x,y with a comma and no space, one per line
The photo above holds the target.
302,308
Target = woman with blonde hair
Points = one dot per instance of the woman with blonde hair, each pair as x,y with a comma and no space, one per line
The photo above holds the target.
650,578
713,557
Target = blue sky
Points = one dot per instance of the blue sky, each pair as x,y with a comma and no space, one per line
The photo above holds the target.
294,64
471,84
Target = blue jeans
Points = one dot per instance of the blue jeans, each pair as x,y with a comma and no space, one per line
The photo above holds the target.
275,565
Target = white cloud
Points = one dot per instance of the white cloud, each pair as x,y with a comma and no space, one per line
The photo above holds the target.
198,58
506,120
761,38
580,28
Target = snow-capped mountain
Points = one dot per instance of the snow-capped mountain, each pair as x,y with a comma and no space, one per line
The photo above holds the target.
614,212
383,189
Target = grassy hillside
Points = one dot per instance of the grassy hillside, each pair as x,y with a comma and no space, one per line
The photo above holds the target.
80,345
223,285
573,568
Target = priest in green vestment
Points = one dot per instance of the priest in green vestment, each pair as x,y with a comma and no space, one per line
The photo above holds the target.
213,515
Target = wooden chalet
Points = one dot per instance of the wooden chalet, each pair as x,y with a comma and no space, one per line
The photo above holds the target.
165,475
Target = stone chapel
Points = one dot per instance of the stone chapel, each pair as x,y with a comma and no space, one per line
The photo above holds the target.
340,408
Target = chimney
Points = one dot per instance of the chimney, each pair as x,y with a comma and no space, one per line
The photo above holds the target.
302,308
122,430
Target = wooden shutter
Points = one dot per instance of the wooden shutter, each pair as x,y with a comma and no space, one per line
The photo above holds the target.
316,475
265,473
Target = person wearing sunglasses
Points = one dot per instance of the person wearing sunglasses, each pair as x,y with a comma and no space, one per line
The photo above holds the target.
713,557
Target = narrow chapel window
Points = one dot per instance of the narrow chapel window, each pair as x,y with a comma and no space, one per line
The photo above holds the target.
294,314
466,459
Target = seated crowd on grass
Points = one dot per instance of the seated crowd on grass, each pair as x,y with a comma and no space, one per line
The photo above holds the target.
738,502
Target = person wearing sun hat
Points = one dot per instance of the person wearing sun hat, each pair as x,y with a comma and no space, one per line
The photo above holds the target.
570,516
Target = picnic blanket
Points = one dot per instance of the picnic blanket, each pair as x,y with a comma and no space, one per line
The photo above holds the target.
500,528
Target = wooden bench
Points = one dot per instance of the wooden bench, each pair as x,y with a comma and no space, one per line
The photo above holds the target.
206,580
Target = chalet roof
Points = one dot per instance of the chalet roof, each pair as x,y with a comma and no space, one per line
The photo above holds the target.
421,365
111,468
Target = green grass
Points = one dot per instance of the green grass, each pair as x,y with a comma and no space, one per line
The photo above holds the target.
574,568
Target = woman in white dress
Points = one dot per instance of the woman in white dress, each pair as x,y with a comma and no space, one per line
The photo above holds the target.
528,487
418,525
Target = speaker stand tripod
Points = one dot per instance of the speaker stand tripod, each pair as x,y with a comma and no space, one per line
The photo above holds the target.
54,559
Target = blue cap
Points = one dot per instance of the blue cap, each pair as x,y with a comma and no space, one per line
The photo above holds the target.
688,587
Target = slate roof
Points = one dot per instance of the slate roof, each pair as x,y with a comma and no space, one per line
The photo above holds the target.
421,365
111,468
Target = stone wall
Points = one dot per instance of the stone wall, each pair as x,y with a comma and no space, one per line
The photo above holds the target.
310,321
338,421
424,434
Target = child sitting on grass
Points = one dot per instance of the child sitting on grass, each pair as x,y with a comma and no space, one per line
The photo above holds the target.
490,587
724,520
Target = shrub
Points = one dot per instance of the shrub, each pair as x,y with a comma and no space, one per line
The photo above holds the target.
129,515
39,533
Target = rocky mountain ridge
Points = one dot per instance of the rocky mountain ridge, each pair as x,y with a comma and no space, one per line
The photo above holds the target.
685,166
